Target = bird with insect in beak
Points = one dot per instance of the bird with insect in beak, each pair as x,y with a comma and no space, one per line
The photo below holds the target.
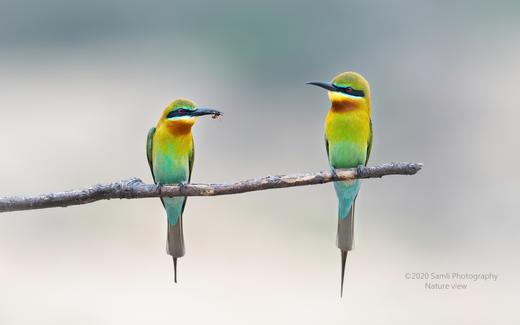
170,152
348,141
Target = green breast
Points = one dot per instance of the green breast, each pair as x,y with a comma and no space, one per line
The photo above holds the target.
347,134
170,162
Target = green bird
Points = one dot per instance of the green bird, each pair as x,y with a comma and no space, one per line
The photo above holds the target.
348,140
170,153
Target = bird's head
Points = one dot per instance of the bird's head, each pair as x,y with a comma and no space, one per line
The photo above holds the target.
182,114
347,88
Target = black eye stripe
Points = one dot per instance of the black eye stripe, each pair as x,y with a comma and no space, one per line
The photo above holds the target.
351,91
178,112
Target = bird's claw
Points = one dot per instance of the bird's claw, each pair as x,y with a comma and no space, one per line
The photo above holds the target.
334,174
359,171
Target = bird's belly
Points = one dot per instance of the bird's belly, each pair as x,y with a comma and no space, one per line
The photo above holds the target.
170,169
346,154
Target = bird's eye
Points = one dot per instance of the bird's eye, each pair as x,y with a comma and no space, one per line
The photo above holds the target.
348,89
181,111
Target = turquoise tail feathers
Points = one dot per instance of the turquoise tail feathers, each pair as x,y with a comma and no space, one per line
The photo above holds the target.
347,193
174,207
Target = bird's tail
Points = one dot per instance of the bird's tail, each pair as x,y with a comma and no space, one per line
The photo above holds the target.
345,237
345,240
347,193
175,243
175,238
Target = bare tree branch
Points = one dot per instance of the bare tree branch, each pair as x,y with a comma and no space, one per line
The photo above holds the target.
134,188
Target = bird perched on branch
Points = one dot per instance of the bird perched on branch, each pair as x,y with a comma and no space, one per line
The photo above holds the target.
348,140
170,153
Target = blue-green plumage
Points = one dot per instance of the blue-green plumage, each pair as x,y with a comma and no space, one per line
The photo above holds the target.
346,193
348,139
174,207
170,167
170,153
345,154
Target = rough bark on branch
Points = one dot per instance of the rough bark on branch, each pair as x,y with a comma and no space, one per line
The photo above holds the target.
134,188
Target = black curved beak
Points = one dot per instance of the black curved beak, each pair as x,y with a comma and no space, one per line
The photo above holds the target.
205,111
322,84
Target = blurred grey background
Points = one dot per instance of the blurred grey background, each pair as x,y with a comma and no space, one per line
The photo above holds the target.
81,83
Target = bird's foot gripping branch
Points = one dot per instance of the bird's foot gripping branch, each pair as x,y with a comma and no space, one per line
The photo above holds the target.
134,188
